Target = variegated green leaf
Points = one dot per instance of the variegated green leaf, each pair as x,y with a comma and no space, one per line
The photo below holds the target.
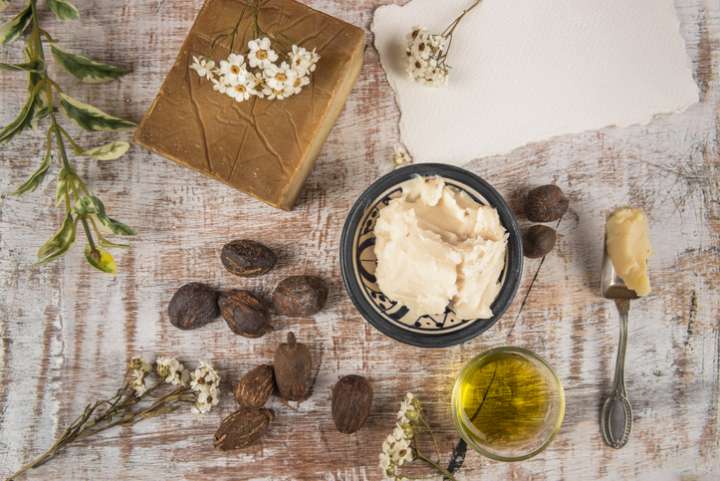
63,9
117,227
39,115
67,183
16,26
21,67
100,259
110,151
106,243
91,205
59,243
37,178
85,69
91,118
22,120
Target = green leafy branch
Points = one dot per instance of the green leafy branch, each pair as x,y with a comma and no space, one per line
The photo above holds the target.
45,100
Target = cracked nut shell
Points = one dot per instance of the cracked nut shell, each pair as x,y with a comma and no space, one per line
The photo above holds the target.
193,306
300,296
255,387
546,203
242,428
247,258
244,313
293,370
351,402
538,241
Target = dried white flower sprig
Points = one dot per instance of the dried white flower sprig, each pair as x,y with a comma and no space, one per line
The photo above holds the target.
427,52
401,447
258,73
148,390
401,156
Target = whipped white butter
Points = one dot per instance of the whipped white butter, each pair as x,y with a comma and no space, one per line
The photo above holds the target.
437,247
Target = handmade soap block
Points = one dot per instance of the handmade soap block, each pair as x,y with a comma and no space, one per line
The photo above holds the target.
263,147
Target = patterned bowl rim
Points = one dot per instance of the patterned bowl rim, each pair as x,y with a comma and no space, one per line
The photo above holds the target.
366,200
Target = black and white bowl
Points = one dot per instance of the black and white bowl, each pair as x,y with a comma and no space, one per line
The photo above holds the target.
358,262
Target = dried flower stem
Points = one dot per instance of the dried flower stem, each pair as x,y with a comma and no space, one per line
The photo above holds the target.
450,30
123,408
436,466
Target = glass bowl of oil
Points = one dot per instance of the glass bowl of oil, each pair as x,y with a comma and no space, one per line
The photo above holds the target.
508,404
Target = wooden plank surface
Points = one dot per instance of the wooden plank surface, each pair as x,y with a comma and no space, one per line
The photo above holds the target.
68,331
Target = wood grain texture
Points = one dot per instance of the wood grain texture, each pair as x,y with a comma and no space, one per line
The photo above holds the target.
68,331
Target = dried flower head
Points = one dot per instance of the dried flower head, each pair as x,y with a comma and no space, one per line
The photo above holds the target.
205,382
138,369
204,67
426,55
401,156
427,52
171,371
400,447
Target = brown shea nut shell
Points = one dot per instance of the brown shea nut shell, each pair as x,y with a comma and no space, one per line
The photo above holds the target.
255,387
245,314
242,428
293,370
351,402
300,296
538,241
193,306
546,203
247,258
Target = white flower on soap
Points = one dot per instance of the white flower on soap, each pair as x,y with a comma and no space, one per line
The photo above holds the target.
203,67
239,90
257,74
233,69
279,77
261,55
220,85
302,60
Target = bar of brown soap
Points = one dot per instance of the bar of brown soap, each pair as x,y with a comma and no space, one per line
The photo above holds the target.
265,148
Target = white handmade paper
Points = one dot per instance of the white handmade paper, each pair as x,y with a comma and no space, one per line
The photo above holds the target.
526,70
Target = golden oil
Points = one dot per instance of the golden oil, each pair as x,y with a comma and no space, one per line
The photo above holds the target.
508,403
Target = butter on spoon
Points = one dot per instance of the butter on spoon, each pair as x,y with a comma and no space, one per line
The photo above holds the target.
623,277
628,245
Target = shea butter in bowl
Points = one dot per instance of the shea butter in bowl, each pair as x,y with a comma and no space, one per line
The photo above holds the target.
431,255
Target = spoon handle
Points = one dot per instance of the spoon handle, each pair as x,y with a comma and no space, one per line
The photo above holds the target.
616,416
623,307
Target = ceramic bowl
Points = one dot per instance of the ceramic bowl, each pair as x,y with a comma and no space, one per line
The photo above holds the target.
358,262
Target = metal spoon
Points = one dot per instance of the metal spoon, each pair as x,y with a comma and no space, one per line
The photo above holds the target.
616,415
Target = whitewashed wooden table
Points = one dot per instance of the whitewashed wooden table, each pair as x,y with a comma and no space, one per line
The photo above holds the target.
68,331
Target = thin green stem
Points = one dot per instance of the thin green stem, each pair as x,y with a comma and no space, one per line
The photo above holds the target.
432,436
447,474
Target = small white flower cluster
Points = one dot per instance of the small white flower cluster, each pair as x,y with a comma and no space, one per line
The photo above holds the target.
138,370
426,54
397,448
205,382
257,74
172,371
